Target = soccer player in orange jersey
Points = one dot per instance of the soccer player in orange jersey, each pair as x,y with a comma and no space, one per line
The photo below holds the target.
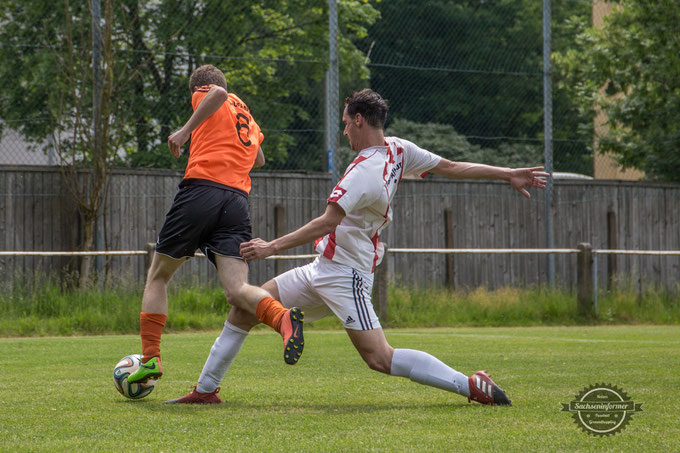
210,212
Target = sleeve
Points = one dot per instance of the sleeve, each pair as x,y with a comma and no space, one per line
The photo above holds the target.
356,190
198,96
196,99
418,161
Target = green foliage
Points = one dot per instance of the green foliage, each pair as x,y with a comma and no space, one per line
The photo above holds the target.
273,53
486,72
628,69
334,401
443,140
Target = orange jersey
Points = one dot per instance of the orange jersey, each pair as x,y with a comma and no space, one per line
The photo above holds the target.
224,147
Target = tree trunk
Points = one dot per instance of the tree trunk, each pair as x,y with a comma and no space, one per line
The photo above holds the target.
88,242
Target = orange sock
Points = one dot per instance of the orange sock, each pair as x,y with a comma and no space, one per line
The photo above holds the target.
150,328
271,312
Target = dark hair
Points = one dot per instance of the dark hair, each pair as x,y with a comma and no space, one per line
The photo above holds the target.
371,106
207,75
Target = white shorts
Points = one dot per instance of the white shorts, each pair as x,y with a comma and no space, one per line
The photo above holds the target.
324,287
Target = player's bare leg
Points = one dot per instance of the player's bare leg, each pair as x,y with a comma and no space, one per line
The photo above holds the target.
153,316
223,353
373,348
420,367
233,274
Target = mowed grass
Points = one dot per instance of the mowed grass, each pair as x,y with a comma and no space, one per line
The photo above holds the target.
56,393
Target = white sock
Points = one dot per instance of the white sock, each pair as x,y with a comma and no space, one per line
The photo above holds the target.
426,369
222,354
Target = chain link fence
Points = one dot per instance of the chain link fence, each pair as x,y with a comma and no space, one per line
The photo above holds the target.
463,78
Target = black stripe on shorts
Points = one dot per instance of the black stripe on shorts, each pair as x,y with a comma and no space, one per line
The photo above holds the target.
360,301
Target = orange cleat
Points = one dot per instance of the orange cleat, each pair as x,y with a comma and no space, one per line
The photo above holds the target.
291,331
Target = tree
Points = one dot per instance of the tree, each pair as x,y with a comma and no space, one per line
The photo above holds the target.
48,91
477,66
442,139
629,68
274,55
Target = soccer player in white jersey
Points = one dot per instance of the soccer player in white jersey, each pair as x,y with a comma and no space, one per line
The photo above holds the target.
339,281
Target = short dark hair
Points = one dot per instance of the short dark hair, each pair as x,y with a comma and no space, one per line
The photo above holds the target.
371,106
207,75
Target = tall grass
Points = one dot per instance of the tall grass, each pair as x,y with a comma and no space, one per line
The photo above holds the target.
53,308
524,307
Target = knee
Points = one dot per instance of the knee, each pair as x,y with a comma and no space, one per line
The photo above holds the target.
232,296
235,294
380,361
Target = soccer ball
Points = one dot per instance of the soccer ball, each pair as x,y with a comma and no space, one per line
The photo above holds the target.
128,365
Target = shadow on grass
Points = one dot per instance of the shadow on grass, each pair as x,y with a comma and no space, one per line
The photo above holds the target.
293,408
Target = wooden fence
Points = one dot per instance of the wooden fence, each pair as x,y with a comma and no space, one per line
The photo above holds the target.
36,213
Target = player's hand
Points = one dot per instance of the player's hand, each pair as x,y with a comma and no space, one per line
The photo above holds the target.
256,249
528,177
177,140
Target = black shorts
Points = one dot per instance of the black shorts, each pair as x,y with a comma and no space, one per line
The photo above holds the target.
210,217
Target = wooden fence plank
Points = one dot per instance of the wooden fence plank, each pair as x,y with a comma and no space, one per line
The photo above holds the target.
36,212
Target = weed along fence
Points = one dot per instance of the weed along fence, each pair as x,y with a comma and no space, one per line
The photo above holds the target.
586,270
586,267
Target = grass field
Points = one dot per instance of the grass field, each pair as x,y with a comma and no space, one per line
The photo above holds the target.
56,394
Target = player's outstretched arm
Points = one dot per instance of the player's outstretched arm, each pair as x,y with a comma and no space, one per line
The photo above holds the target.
319,227
209,105
519,178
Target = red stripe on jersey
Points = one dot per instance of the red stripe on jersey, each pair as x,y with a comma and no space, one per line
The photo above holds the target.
390,155
355,162
317,241
374,240
329,251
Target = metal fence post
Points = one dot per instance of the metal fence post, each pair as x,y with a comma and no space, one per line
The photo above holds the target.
612,244
279,230
584,279
380,278
450,261
332,93
547,132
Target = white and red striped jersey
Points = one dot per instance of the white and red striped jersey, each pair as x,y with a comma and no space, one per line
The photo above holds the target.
365,193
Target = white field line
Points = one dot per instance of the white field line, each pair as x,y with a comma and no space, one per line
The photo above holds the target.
390,333
525,337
